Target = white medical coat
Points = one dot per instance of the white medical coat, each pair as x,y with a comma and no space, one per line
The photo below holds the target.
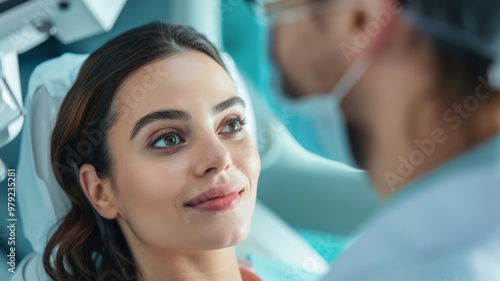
444,226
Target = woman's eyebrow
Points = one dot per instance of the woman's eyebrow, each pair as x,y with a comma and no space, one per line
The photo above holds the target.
181,115
234,101
159,115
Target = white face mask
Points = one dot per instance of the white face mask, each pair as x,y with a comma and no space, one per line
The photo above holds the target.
325,112
321,118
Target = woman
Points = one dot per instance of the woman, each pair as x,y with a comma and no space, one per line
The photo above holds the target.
163,182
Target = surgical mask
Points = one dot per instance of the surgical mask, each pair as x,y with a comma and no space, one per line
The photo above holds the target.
320,112
325,112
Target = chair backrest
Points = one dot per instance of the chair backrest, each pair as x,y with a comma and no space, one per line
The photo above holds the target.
41,201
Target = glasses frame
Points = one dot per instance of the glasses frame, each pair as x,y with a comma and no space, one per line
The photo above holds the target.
289,11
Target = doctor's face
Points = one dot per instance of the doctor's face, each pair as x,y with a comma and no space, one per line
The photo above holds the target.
185,170
383,110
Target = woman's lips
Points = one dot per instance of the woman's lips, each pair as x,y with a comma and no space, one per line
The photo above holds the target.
216,199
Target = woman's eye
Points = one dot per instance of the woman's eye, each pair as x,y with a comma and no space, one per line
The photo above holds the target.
233,126
169,140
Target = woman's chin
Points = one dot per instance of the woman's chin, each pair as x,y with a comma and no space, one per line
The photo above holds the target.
224,238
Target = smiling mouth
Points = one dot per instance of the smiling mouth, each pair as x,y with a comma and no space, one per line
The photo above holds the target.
216,200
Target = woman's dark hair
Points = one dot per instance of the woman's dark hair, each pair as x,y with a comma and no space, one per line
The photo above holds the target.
86,246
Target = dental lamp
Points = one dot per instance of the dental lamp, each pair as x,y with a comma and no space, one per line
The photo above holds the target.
24,24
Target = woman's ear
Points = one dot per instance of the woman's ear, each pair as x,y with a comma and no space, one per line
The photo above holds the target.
99,192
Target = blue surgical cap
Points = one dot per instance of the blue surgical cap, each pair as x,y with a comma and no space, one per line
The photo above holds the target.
473,25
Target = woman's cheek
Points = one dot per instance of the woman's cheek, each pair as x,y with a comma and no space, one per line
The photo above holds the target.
250,161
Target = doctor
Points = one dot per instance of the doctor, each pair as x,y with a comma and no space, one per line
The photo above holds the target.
415,86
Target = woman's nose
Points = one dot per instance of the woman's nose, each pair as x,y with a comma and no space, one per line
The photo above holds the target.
213,157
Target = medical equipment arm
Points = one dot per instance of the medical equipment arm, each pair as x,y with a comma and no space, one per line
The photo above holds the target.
25,24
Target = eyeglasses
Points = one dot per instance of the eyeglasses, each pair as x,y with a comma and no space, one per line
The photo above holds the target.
287,11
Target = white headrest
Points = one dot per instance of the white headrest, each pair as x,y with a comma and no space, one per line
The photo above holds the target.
42,201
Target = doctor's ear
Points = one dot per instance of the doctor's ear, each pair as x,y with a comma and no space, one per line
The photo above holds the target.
370,22
98,191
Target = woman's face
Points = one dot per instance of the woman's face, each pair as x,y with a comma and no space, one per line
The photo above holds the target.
185,170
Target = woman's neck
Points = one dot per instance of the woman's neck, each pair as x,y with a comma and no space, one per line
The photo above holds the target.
213,265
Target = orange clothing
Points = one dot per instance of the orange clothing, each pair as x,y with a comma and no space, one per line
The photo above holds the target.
248,275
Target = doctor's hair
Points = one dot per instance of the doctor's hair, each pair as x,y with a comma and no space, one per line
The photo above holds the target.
462,69
457,63
462,64
86,246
